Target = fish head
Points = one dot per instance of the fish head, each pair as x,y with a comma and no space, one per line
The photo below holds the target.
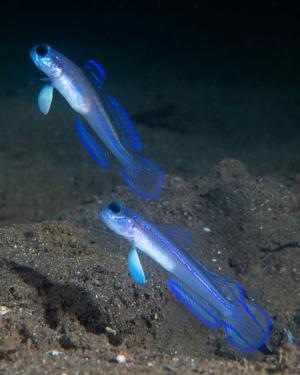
47,60
120,220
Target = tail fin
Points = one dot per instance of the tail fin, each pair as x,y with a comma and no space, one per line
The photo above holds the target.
249,328
143,177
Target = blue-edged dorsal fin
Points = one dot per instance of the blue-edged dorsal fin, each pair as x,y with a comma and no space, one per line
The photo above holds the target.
177,234
197,305
101,156
135,267
95,71
45,98
122,124
230,289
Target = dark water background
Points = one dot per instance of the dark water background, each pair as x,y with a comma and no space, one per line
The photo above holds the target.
203,81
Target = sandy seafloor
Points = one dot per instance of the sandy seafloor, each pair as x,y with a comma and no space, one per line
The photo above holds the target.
223,123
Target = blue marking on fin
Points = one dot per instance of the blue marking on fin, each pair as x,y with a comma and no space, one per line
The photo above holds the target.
143,177
230,289
237,340
203,310
177,234
96,72
249,328
124,126
135,267
101,157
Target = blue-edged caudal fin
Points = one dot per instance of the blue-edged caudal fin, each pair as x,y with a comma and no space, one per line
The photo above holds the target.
143,177
198,306
249,328
100,156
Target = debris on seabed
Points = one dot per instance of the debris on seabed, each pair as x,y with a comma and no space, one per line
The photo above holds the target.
54,353
4,310
111,331
123,358
120,358
291,337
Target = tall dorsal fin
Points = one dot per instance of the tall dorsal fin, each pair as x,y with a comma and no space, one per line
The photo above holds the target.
123,124
230,289
95,71
118,116
177,234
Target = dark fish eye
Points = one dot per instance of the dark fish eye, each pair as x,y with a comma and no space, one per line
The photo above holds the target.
115,207
42,50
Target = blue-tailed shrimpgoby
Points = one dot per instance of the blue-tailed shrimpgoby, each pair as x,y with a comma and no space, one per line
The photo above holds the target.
212,298
83,90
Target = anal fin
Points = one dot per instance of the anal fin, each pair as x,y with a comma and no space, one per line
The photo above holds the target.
101,156
198,306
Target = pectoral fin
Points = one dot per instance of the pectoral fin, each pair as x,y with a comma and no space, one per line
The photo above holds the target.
45,98
135,267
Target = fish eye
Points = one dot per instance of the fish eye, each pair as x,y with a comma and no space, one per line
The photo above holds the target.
42,50
115,207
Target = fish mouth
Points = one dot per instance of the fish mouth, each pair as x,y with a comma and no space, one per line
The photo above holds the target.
33,55
104,213
110,214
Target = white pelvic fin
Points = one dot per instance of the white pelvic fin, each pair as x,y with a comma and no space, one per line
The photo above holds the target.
45,98
135,267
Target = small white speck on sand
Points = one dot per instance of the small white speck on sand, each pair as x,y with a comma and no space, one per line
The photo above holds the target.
120,358
54,353
4,310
